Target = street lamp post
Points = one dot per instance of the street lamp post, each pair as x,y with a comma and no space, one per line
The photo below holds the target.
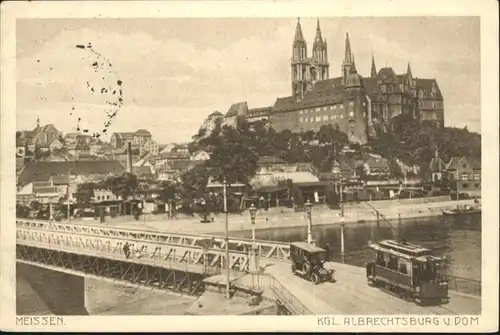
253,212
226,240
308,207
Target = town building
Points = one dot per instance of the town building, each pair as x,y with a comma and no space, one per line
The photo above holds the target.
212,122
80,171
138,138
464,175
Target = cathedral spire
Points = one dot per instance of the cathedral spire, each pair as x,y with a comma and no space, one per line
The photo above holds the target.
37,121
408,71
348,53
298,32
374,68
353,69
318,40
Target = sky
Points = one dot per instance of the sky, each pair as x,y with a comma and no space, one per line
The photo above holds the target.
175,72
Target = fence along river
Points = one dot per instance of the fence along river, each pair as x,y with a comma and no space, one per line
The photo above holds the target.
458,238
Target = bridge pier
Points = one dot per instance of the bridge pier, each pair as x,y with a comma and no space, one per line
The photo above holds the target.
62,293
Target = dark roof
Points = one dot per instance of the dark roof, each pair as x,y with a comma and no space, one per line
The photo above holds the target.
270,160
21,142
387,74
60,180
284,104
42,171
143,132
261,111
216,113
323,95
437,164
454,163
240,108
427,84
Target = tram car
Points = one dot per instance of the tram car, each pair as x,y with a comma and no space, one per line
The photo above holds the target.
307,262
408,270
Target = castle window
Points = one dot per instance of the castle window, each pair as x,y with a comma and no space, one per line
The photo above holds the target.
301,119
334,117
341,106
334,106
382,88
341,116
351,114
364,114
390,88
318,118
300,112
318,109
325,117
351,103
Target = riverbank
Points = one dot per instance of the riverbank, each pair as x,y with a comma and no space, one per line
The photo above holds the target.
353,214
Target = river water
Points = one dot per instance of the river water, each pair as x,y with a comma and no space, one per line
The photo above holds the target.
458,238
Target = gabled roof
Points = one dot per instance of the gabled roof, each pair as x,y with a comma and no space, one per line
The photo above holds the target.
142,132
387,74
60,180
427,84
284,104
261,111
42,171
240,108
455,163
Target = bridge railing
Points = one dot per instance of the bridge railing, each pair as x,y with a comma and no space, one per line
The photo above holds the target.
266,249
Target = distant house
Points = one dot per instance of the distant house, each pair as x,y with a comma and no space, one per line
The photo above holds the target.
377,166
200,156
137,139
55,145
120,155
72,138
150,146
40,136
236,110
436,167
258,114
79,170
464,175
212,121
78,149
41,191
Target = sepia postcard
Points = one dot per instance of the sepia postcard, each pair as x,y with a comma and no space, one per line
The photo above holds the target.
222,165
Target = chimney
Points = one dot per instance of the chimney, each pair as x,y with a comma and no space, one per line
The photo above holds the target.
129,157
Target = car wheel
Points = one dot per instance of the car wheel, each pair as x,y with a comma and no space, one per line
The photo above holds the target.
315,278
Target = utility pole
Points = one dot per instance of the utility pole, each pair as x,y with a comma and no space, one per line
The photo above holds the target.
68,196
228,295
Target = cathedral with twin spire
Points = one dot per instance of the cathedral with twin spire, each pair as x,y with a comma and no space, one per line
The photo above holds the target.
356,104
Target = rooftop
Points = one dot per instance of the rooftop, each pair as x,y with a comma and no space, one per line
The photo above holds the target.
42,171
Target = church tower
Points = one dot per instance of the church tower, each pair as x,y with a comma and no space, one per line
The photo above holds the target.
374,68
320,66
348,61
300,64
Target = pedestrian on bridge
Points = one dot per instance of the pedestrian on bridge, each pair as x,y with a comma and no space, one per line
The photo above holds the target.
126,250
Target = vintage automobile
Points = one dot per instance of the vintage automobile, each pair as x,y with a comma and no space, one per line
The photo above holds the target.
409,270
307,262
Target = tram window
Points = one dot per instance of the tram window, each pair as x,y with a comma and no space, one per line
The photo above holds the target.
402,268
380,259
393,263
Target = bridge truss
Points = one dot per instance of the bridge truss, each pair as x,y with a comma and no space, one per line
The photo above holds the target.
278,251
